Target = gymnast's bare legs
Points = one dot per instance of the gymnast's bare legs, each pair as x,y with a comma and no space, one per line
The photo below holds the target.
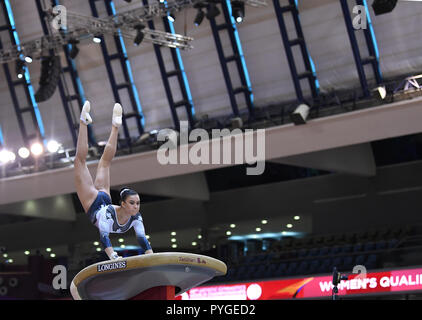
86,188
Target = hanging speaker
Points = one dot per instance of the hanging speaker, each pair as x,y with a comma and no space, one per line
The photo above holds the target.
383,6
50,75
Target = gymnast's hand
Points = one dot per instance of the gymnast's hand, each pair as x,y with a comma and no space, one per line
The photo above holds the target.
115,256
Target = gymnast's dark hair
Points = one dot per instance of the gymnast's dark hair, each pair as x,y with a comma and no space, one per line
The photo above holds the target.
126,192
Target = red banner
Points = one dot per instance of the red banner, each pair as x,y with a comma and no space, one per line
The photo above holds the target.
392,281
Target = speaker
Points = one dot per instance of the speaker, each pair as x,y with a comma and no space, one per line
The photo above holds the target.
383,6
50,75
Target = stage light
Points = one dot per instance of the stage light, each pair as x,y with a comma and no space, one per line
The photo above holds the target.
174,245
238,10
171,17
140,34
212,11
4,156
296,217
5,255
122,246
199,236
264,221
28,59
173,240
96,39
381,92
53,146
173,233
98,249
10,261
27,253
199,17
289,225
232,226
7,156
52,255
228,233
23,152
20,68
194,243
96,243
48,249
258,229
121,240
75,50
37,149
147,236
383,6
300,115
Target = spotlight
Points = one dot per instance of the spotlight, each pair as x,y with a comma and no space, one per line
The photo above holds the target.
199,17
228,233
37,149
140,34
75,50
7,156
171,17
238,10
174,245
383,6
28,59
12,156
300,115
173,233
4,156
194,243
23,153
258,229
20,68
212,11
381,92
296,217
232,225
96,39
53,146
289,225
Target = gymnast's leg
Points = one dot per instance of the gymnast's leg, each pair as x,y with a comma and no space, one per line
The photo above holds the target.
102,179
84,186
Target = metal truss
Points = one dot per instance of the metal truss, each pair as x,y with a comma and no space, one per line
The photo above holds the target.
81,28
150,11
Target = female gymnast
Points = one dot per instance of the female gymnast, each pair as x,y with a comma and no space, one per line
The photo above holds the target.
95,196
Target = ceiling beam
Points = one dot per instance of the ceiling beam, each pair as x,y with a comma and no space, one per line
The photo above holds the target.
362,126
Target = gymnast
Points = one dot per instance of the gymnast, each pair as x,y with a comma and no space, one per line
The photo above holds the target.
95,196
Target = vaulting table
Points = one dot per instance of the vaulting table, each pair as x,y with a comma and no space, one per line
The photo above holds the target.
157,276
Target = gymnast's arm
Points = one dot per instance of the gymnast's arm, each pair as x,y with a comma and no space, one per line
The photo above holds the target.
140,236
105,240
